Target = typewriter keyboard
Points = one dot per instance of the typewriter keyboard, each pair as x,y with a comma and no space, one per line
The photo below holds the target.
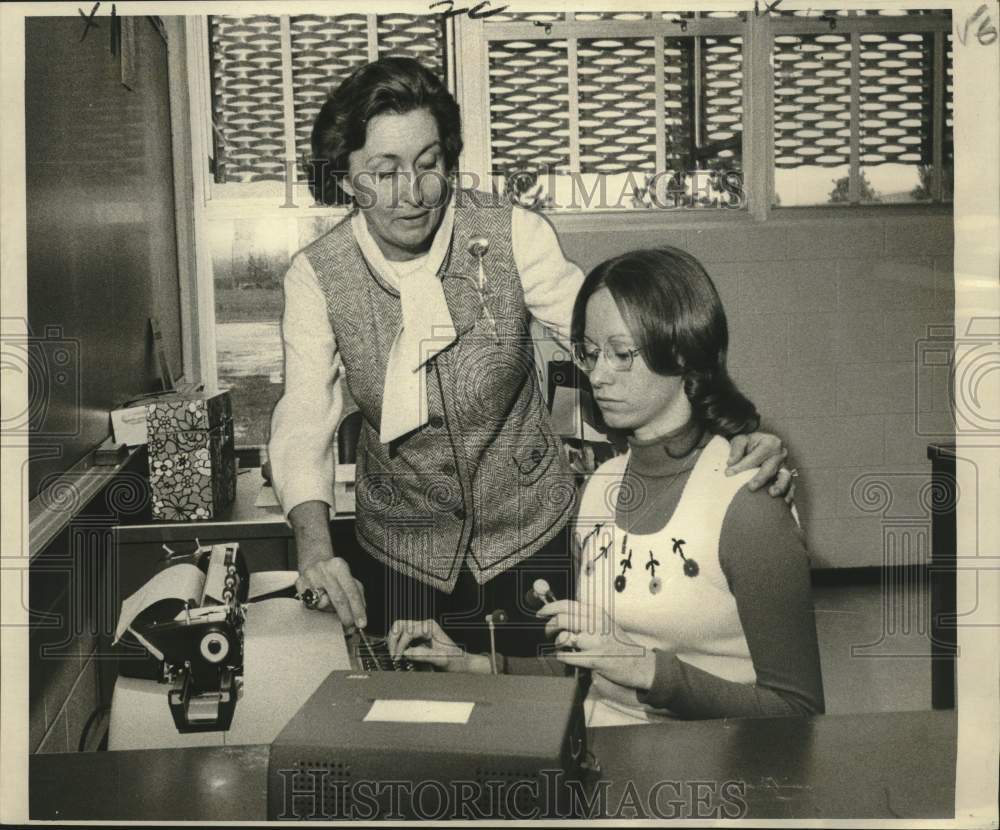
374,656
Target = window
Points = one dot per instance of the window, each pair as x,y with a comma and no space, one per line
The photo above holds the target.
634,111
615,109
262,116
862,107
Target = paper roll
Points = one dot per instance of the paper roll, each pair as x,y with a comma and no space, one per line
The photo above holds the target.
184,582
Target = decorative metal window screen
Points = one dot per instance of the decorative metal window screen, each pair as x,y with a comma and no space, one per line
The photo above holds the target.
542,18
616,100
813,91
677,94
812,100
247,98
525,17
529,104
248,83
722,101
948,149
325,50
896,98
611,126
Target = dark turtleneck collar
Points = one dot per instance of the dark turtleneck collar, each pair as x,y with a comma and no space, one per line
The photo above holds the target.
666,454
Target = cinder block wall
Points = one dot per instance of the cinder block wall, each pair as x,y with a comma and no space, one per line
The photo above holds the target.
826,309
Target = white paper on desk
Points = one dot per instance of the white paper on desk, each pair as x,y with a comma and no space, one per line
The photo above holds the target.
420,711
141,719
266,497
288,651
183,581
267,582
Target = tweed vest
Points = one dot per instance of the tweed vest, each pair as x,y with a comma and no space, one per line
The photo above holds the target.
483,481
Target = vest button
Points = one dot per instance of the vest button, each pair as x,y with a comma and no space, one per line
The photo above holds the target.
459,513
448,468
436,421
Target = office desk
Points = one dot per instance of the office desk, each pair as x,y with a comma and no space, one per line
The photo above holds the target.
885,765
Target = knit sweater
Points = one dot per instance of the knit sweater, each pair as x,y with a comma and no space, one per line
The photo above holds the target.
763,559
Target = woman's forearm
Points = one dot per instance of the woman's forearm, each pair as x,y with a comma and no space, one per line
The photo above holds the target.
310,522
689,692
301,448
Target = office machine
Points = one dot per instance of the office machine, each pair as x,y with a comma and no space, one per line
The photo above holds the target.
189,621
429,745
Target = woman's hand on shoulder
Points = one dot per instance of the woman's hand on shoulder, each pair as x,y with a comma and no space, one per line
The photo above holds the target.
589,638
424,641
766,451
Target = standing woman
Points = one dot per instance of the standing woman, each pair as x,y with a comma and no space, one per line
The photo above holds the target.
421,301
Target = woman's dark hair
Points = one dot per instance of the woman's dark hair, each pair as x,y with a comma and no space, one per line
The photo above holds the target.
393,85
674,312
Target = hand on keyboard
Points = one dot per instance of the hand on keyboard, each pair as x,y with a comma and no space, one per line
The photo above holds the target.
372,654
424,642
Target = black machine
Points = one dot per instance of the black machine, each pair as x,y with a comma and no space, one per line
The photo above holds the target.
195,645
430,745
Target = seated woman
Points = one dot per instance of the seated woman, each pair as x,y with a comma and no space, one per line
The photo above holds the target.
693,593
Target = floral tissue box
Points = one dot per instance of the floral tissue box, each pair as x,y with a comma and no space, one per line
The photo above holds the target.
192,459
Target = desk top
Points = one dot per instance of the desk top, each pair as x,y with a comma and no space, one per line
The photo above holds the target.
885,765
242,520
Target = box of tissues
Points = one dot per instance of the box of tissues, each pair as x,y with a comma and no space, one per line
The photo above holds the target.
192,458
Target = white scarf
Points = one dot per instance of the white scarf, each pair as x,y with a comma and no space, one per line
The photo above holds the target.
427,327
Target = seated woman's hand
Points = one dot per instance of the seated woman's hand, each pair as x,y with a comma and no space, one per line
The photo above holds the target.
424,641
611,691
763,450
589,638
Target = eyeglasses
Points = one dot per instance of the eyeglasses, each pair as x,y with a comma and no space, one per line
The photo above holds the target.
618,356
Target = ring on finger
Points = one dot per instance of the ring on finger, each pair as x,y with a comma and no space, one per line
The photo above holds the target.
311,597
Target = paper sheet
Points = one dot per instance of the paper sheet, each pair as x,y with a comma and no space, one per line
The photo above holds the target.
267,582
266,497
288,651
420,711
183,581
141,719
